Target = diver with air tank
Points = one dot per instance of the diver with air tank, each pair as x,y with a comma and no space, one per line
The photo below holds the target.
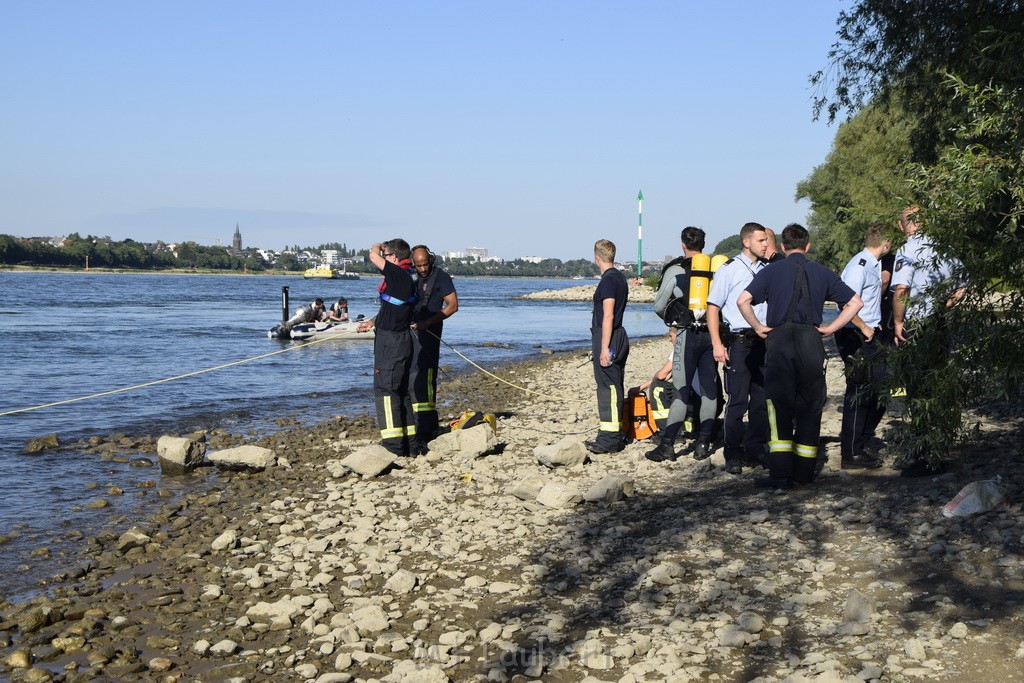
681,302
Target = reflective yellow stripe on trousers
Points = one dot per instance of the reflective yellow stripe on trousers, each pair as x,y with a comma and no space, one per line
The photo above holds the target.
776,445
613,425
390,431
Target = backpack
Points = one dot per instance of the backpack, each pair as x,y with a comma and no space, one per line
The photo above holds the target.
638,416
677,313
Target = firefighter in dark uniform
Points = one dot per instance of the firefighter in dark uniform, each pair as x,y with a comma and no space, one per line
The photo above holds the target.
392,345
795,290
610,346
437,301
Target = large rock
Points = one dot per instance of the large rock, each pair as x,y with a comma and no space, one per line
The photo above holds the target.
611,489
244,458
133,538
529,487
568,452
179,455
465,443
278,614
371,619
559,495
43,443
370,461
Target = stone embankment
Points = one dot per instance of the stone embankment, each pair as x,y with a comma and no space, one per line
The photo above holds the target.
638,293
517,556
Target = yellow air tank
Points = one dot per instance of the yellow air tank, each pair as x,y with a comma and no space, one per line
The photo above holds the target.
717,261
700,282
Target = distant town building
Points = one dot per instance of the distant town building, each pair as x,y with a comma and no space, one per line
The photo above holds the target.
476,252
331,256
532,259
491,259
453,254
236,241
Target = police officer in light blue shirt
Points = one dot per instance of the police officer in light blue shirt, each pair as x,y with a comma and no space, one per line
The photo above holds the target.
741,350
860,350
916,274
923,285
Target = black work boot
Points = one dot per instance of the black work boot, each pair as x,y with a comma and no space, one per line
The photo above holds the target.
665,450
703,449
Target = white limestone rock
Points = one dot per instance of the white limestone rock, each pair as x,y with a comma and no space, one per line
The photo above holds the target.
244,458
369,461
179,455
610,489
559,496
529,487
568,452
465,443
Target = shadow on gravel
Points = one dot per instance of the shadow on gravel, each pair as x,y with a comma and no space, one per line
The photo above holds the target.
688,567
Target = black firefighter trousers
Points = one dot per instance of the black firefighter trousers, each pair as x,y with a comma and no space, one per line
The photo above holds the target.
794,385
610,387
392,360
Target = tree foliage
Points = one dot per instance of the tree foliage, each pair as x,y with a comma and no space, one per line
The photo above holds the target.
864,179
956,68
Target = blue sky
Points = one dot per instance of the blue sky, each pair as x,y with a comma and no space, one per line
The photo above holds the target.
524,127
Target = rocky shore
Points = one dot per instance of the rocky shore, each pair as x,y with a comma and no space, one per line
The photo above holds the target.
638,293
478,562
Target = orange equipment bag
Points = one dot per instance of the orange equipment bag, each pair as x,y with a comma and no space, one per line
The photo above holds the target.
638,416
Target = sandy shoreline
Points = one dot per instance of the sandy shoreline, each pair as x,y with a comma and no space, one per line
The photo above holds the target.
435,571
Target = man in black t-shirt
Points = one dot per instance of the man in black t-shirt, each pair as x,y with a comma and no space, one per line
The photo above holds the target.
437,300
392,345
610,347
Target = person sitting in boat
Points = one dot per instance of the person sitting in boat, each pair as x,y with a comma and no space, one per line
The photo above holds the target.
339,311
319,313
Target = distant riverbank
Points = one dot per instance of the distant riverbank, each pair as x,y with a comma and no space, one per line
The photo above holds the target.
638,294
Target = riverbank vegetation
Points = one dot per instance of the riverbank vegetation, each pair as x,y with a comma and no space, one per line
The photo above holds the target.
934,92
77,253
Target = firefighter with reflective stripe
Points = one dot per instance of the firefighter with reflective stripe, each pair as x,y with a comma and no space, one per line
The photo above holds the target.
610,346
437,300
678,306
795,290
392,345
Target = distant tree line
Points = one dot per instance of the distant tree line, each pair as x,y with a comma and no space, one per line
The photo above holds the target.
102,252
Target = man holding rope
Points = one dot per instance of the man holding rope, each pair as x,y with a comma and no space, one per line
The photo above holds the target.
437,300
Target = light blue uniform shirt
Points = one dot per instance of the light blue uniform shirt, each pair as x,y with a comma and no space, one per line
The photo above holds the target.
863,274
729,282
918,267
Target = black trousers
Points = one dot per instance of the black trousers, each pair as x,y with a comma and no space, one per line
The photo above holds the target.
794,385
863,406
744,382
609,382
392,360
426,356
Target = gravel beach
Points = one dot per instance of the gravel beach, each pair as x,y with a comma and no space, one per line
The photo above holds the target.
479,563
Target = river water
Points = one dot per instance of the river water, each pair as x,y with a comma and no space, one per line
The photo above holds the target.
66,335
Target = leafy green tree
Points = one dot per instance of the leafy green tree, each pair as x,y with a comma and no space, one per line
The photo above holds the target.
957,69
864,179
288,262
730,246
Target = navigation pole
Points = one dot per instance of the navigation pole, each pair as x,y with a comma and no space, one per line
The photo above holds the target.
640,235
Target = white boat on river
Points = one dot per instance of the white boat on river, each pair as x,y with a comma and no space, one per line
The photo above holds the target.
346,329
